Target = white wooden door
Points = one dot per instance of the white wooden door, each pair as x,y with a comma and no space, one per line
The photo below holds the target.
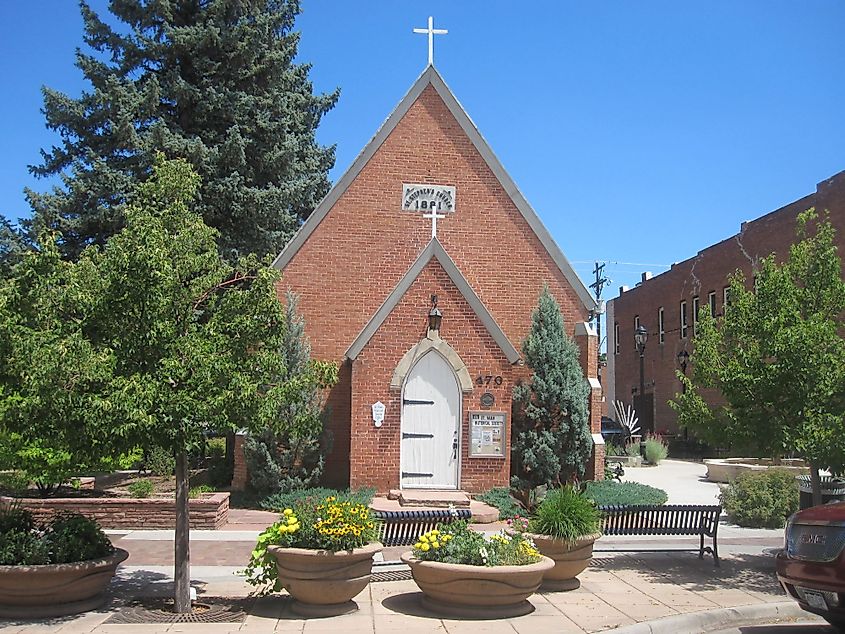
431,414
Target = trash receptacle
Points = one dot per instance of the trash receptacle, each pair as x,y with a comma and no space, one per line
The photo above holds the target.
833,490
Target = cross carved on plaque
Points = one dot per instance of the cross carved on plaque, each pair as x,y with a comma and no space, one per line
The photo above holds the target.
431,32
434,216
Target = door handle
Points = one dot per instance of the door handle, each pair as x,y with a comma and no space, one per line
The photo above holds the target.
455,446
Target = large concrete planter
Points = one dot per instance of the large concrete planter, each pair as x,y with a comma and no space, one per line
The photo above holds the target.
37,592
728,469
571,558
323,582
477,591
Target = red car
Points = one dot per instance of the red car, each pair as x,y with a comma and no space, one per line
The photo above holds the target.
811,568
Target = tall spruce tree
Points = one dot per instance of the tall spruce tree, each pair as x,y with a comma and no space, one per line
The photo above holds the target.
212,81
550,436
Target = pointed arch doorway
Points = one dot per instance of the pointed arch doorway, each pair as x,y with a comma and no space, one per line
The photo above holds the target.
431,417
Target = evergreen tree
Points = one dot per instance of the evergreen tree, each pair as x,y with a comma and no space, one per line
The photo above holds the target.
13,245
550,436
212,81
291,455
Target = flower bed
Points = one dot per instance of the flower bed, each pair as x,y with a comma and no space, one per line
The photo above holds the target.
210,511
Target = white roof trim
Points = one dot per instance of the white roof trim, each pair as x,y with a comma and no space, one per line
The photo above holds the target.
430,76
434,250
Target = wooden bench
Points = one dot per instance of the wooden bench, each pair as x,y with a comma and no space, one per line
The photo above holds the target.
667,519
402,528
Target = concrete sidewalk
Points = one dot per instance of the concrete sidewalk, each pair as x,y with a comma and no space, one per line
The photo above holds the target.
617,590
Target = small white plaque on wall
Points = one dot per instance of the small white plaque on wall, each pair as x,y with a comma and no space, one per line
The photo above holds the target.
427,197
378,413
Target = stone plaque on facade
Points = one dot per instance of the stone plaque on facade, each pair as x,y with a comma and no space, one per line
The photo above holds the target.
487,434
487,400
428,197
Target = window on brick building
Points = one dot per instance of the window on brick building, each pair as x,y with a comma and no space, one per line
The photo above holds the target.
660,329
711,299
616,338
683,317
696,305
726,298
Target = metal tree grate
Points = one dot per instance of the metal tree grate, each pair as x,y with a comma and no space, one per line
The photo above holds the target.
392,575
208,610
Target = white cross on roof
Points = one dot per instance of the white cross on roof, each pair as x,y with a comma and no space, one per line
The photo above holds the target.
431,32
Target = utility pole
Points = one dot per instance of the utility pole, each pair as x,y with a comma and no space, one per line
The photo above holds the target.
598,286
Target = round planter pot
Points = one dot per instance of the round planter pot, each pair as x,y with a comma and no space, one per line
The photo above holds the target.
571,558
37,592
322,582
477,591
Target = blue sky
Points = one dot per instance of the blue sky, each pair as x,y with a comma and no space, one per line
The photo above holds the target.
639,131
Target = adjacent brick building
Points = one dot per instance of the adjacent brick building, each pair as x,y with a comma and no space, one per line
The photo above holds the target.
671,299
415,407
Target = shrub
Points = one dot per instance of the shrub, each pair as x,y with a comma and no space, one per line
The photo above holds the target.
220,470
656,449
197,491
331,523
566,514
608,492
14,481
500,497
160,461
456,543
612,449
280,501
14,517
68,537
141,489
761,499
632,449
74,537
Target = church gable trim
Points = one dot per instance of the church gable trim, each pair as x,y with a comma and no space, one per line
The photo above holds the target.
432,341
434,250
430,76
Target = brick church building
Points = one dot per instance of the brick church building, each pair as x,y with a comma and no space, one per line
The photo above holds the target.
666,305
427,211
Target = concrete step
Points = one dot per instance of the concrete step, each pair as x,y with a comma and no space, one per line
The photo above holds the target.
434,499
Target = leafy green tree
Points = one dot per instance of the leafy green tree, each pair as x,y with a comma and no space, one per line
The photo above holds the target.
777,357
550,434
152,341
293,458
212,81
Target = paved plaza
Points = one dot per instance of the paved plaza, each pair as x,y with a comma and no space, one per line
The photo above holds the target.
627,587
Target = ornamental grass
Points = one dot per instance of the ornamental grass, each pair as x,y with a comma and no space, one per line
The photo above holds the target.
456,543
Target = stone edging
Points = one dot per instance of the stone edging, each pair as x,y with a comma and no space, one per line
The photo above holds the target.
707,621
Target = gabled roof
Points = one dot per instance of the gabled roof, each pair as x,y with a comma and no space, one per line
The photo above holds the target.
430,77
434,250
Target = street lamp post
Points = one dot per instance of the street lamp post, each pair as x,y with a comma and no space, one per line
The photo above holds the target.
640,338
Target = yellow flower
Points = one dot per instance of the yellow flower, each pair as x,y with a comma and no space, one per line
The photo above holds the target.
435,545
418,545
292,520
288,511
283,529
293,529
424,547
424,539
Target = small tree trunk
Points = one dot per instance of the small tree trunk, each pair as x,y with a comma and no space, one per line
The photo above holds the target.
182,564
816,481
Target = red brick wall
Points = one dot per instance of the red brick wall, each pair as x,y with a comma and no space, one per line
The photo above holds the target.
706,272
363,247
375,451
210,512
